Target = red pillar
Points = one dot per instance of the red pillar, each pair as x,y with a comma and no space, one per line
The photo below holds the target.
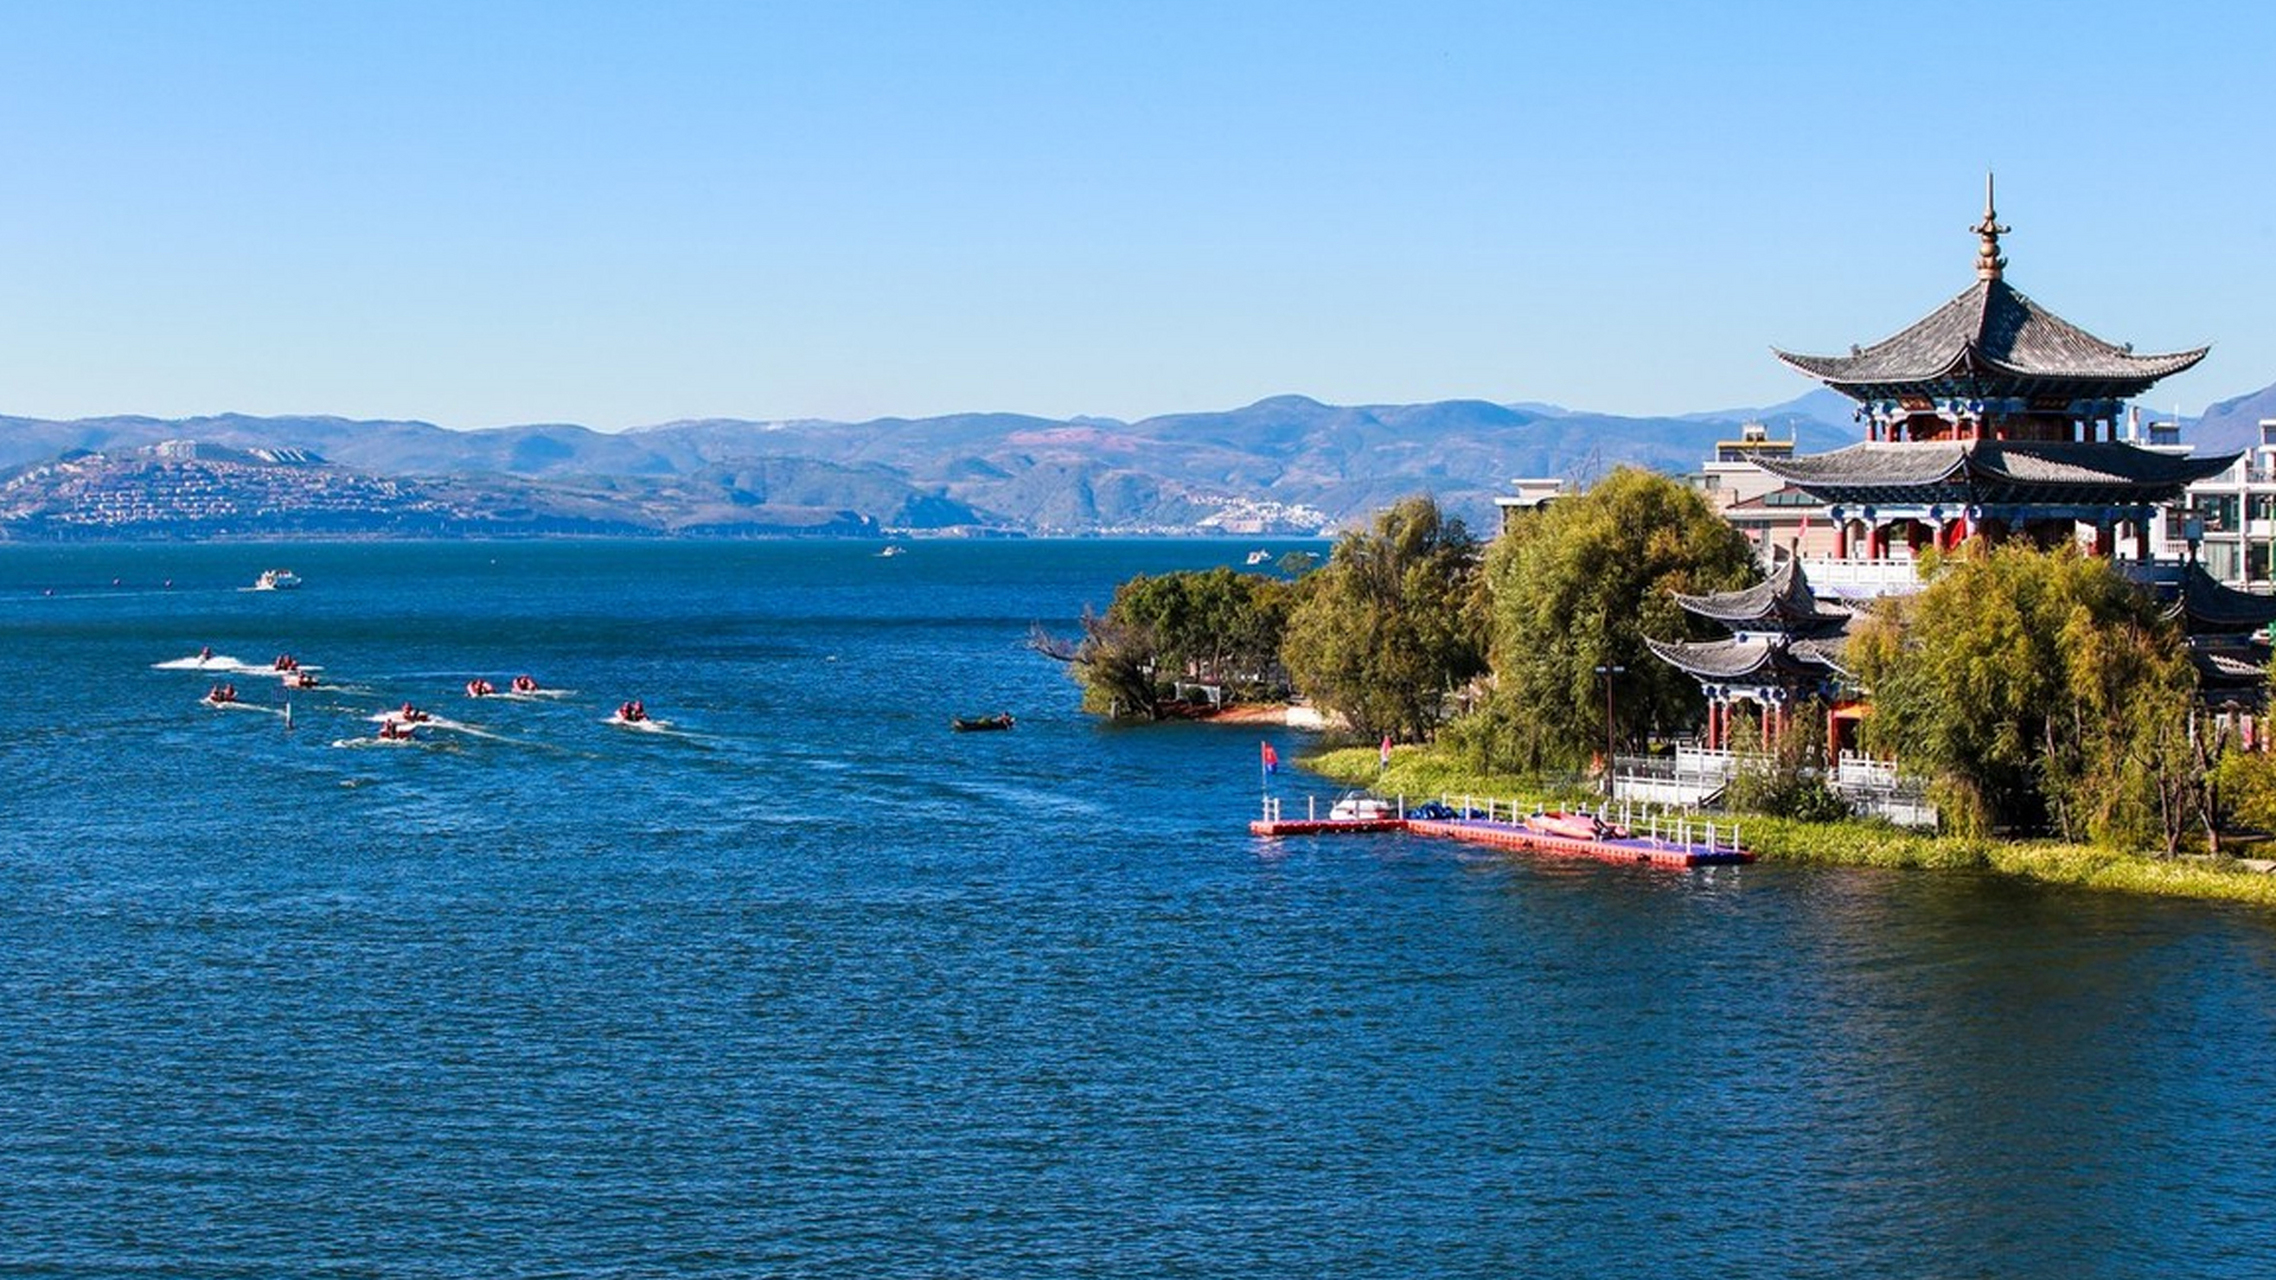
1833,740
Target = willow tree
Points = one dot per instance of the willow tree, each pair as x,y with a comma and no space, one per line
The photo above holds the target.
1389,627
2038,690
1573,589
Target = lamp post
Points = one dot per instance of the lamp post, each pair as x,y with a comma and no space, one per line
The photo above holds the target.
1608,670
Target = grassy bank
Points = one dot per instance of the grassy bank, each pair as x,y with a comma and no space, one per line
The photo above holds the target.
1418,774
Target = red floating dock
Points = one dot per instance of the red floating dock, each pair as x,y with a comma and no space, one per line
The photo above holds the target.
1648,850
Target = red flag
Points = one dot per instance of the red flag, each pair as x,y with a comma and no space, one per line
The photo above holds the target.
1271,759
1386,748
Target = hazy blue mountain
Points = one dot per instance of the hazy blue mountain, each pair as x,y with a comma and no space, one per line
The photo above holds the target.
1287,459
2232,424
1823,406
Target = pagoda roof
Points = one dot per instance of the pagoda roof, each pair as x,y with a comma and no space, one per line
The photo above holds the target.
1742,658
1783,601
1992,338
2075,471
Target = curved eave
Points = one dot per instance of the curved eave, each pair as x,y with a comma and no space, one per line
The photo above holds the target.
1733,660
2119,367
1853,374
1717,660
1931,465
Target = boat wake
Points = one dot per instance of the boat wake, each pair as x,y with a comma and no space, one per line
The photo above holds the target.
234,705
648,724
207,662
352,744
440,724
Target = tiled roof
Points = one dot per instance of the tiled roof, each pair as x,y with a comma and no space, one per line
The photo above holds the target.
1990,332
1733,659
2211,606
1783,599
1972,466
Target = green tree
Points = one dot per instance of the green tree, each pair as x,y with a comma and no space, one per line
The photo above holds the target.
1383,632
1210,626
2038,689
1576,586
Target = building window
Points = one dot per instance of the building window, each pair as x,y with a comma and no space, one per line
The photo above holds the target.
2220,560
2217,510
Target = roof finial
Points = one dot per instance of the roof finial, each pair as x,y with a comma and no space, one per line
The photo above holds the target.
1988,261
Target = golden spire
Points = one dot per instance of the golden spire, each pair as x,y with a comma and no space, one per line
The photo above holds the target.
1988,261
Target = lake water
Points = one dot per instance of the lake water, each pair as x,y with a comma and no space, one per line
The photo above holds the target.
807,985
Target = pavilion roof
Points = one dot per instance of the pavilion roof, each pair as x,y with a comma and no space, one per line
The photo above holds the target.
2106,472
2231,676
1783,601
1993,338
2211,606
1739,658
1992,341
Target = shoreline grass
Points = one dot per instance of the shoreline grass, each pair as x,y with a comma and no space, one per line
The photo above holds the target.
1419,773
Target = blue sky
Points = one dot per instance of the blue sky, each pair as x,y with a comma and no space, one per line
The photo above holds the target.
479,214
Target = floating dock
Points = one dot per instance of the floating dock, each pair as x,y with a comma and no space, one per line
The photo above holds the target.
1682,843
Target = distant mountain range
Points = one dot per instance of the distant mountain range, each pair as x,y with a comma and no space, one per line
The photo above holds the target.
1282,465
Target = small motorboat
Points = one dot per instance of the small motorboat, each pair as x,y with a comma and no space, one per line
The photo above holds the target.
975,724
480,688
1259,557
1359,807
894,549
221,694
276,580
524,684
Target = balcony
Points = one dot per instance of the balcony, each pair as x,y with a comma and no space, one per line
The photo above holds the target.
1863,579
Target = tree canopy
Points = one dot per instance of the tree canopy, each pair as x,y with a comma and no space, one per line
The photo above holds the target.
2037,689
1212,626
1391,625
1576,586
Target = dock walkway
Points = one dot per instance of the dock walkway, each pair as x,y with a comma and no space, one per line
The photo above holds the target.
1687,844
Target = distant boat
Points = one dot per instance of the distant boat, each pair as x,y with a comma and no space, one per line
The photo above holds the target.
276,580
893,549
1259,557
972,724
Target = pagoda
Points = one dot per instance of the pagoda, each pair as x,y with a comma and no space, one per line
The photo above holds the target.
1783,651
1991,415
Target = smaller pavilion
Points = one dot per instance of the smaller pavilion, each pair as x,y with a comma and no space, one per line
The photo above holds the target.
1784,649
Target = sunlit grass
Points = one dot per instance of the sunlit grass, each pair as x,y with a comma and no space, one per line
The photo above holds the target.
1421,774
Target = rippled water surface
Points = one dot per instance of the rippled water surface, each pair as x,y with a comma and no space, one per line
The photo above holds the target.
805,984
